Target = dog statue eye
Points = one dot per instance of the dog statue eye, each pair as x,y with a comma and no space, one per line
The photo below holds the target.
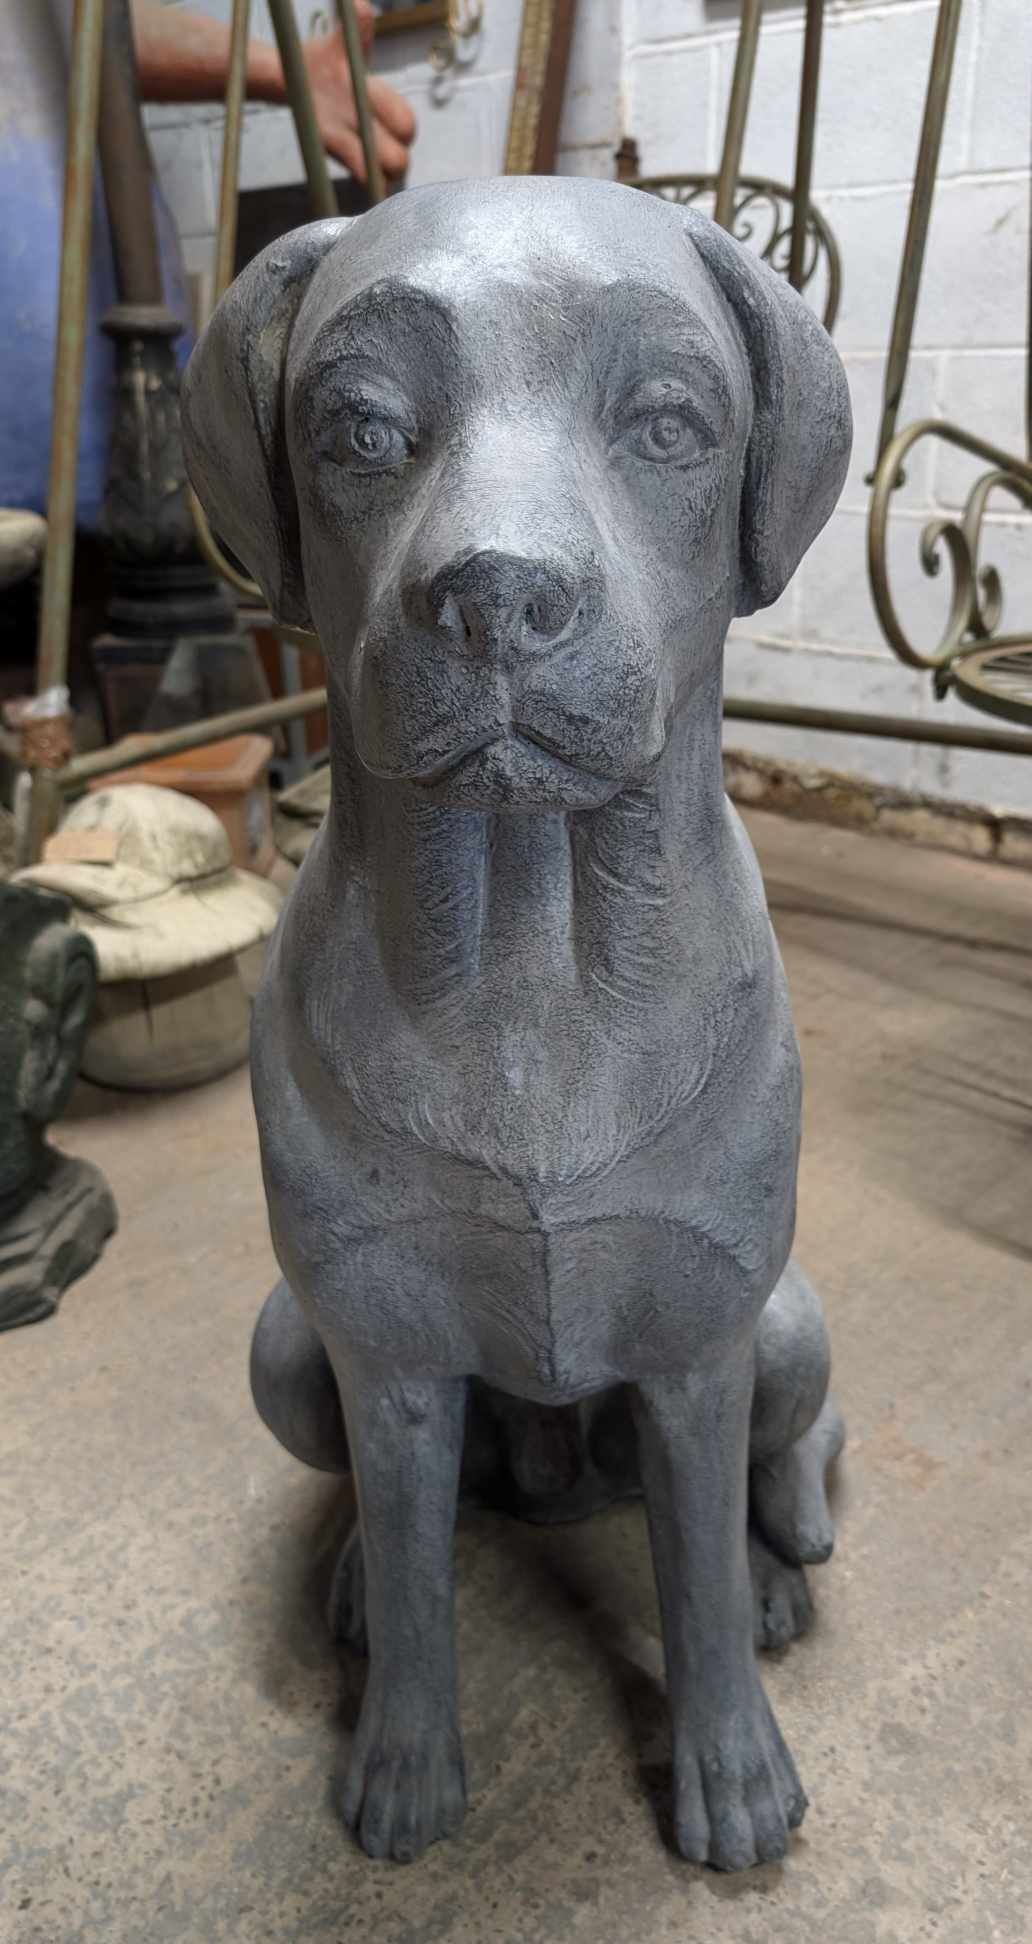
374,443
663,437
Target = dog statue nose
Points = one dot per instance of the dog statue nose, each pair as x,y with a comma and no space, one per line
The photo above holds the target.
503,605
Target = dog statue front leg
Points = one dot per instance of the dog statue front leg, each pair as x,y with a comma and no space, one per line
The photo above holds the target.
736,1791
405,1786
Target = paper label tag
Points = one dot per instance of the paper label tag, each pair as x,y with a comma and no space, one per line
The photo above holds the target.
82,847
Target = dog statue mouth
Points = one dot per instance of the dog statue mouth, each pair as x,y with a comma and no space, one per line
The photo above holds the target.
513,767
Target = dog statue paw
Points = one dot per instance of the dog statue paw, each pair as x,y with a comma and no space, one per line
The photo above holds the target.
526,1081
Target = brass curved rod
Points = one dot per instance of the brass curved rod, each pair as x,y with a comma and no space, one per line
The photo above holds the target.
321,192
225,250
976,604
750,192
987,593
248,589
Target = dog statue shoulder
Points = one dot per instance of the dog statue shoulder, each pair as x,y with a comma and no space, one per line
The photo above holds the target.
524,1066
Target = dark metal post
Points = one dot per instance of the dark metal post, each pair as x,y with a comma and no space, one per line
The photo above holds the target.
805,140
737,111
628,161
126,166
299,96
236,89
912,260
162,588
225,264
46,737
356,62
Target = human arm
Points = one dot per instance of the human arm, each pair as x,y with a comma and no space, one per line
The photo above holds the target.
182,55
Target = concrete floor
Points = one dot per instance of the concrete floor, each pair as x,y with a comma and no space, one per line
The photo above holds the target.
173,1708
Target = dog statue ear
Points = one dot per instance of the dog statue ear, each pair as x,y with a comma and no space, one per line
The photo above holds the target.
802,428
232,410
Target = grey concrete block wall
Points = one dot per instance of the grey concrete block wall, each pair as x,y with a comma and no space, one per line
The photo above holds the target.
661,69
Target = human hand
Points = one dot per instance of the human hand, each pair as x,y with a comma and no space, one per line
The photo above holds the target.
333,96
365,18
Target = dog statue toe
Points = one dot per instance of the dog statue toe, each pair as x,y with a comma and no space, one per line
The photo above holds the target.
524,1068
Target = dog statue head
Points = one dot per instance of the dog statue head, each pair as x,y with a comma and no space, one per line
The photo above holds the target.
518,451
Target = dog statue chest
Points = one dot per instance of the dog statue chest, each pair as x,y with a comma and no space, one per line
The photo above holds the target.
445,1191
551,1291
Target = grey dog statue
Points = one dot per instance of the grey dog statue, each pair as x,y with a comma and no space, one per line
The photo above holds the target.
524,1067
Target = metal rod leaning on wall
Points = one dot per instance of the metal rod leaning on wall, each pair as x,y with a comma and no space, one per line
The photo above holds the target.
320,186
232,129
287,708
849,722
225,262
976,593
299,96
320,189
737,112
225,258
356,62
46,733
193,735
189,735
915,241
805,135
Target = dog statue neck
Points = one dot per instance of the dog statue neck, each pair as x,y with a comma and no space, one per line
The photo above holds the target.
601,897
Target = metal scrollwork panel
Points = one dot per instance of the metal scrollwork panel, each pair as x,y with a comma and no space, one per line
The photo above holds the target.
976,596
998,679
762,218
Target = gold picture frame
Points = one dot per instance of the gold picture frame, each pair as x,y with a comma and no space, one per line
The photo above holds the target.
416,13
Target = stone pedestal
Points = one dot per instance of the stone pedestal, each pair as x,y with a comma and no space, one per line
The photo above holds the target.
162,590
